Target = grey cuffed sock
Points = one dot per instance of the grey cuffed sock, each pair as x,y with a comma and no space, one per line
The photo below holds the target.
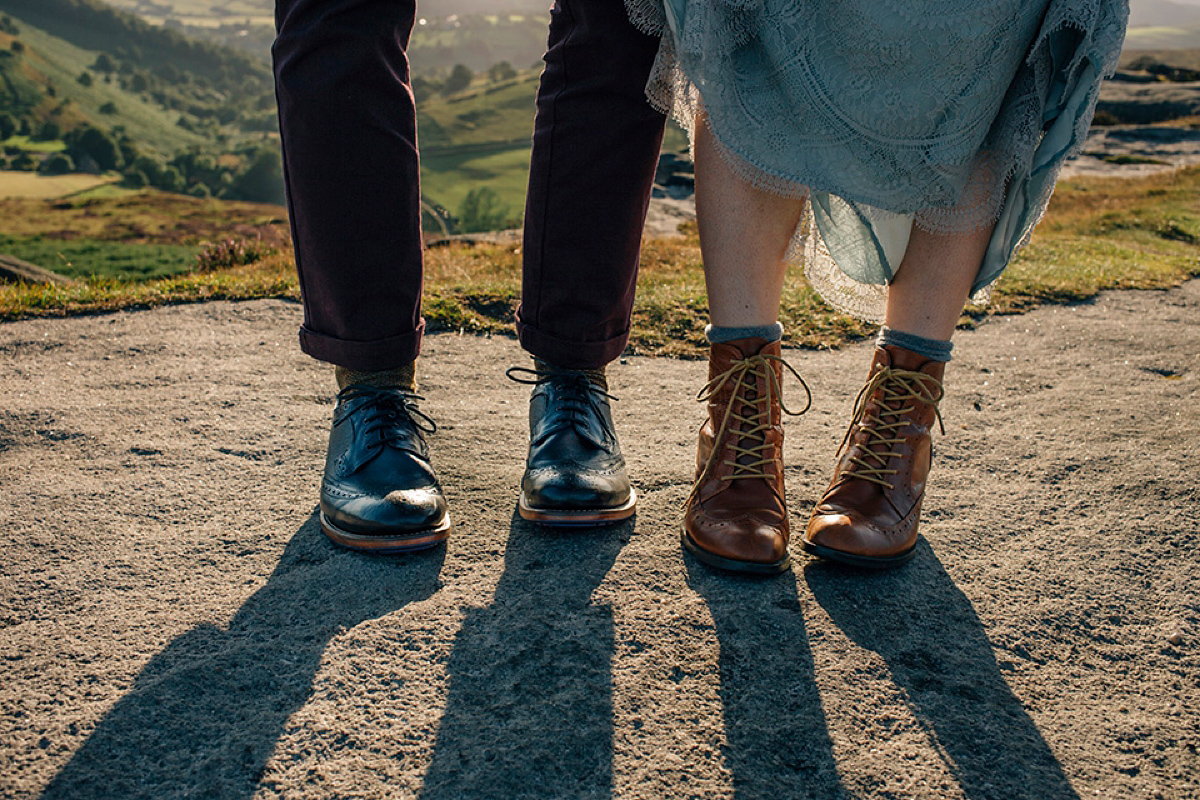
717,334
596,376
934,349
402,377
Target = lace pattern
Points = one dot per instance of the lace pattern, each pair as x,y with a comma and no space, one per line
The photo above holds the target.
946,114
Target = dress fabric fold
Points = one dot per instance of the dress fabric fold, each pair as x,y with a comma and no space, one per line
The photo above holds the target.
945,114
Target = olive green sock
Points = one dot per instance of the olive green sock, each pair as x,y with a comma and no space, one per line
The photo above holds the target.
403,377
596,376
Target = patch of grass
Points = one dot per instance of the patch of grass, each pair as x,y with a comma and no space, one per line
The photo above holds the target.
81,258
272,277
447,177
34,146
145,216
1108,233
1100,233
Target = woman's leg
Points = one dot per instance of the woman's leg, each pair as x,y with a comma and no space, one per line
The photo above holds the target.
934,279
869,515
744,233
736,517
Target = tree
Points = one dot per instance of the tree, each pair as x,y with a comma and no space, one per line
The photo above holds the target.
262,180
460,78
85,79
49,131
502,72
423,88
170,180
481,210
108,108
149,167
17,46
8,126
105,64
99,145
58,164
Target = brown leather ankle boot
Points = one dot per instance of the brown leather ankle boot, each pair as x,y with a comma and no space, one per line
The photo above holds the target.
869,514
736,516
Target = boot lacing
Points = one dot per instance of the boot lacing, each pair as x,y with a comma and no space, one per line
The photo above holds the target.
898,386
752,415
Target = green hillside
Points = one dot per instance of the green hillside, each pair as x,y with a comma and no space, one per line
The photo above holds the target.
101,91
47,72
87,87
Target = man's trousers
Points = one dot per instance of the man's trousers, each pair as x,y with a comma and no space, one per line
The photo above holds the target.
348,124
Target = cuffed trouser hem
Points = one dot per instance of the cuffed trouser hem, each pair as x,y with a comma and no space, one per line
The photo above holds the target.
363,356
570,355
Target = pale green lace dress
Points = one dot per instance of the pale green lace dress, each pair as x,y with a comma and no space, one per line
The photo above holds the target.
947,114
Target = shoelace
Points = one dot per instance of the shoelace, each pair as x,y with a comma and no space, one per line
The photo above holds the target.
751,442
899,386
579,401
387,414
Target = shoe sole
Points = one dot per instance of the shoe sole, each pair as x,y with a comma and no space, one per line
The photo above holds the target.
862,562
578,518
406,542
732,564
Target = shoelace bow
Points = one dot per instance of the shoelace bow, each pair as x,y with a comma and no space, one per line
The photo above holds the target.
751,442
578,403
388,414
899,386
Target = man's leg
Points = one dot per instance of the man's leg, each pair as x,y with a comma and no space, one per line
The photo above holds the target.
595,147
348,127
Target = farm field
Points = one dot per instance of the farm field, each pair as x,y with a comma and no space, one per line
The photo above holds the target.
31,184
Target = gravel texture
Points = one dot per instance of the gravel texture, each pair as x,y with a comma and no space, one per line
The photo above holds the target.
174,625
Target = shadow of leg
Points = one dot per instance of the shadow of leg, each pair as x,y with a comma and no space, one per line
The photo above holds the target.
204,715
529,706
926,631
777,743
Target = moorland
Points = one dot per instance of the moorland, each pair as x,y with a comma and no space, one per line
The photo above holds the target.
142,161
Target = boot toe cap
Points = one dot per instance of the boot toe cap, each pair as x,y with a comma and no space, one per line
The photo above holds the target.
831,532
744,540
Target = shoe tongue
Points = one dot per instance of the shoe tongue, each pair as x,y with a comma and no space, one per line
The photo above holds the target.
750,346
901,358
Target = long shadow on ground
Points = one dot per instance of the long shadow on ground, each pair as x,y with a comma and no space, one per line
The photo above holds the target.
777,742
205,714
529,701
928,634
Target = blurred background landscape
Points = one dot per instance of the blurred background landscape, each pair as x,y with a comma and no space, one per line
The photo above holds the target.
139,157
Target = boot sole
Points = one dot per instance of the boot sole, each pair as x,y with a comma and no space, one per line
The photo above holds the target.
406,542
732,564
577,518
862,562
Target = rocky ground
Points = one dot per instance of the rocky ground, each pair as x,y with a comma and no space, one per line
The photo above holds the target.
175,625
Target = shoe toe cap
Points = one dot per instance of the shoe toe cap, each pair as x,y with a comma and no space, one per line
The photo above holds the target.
575,488
399,510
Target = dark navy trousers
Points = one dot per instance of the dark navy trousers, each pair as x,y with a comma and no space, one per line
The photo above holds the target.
348,124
